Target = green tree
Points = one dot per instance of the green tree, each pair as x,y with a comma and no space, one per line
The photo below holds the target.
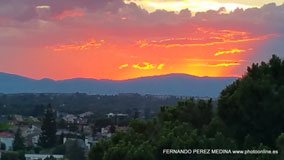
48,135
50,158
254,104
18,143
13,156
74,151
196,112
59,149
280,145
98,150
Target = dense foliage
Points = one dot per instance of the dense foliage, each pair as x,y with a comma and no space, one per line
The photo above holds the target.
249,117
254,105
74,151
18,143
47,137
13,156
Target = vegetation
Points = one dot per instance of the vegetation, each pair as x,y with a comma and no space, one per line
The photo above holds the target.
34,104
254,105
18,143
74,151
4,126
48,135
13,156
249,117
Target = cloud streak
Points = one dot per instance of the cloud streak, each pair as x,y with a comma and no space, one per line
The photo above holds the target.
230,51
77,46
205,37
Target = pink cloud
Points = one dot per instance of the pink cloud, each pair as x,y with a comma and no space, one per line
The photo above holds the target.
70,13
78,46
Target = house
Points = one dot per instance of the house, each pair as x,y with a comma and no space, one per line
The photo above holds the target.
119,115
6,141
89,142
119,118
60,132
87,130
18,119
32,139
70,118
105,132
30,129
31,134
42,156
110,115
86,114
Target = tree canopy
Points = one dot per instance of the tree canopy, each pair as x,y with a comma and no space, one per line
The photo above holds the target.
254,104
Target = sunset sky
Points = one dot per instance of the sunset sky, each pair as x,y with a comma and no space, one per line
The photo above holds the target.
116,39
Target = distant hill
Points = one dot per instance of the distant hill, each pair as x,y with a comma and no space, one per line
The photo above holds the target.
171,84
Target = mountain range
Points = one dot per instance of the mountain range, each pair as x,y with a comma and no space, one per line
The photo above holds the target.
170,84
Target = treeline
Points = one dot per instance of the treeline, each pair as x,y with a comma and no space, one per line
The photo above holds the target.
33,104
249,116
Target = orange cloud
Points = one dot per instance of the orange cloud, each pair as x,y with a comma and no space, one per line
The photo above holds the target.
204,37
218,64
214,60
78,46
144,66
148,66
231,51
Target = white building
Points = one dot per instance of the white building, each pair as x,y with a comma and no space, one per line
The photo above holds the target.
41,156
31,134
106,132
109,115
7,139
86,114
70,118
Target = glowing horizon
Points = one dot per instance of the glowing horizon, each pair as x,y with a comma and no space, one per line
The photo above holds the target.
198,5
117,40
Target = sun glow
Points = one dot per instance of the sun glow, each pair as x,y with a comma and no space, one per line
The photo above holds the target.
194,6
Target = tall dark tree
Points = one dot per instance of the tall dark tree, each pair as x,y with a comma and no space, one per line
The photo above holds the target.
18,143
48,135
254,104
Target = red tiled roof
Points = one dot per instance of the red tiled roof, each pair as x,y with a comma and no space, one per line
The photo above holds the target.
6,134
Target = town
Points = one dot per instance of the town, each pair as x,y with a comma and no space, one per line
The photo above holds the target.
50,131
19,132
